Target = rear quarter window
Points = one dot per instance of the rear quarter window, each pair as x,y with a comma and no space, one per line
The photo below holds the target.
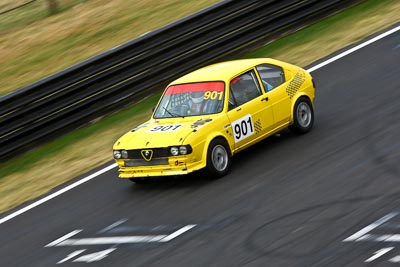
271,76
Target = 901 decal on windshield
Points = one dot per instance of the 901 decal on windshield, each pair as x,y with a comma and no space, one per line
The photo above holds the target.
243,128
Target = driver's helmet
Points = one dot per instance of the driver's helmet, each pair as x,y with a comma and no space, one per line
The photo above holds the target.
197,100
197,97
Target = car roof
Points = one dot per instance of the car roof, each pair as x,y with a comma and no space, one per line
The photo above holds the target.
223,71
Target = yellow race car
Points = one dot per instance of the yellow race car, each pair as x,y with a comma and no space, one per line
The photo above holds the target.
209,115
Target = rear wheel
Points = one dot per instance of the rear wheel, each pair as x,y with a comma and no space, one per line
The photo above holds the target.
303,116
218,158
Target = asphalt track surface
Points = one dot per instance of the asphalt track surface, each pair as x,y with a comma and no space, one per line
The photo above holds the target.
327,198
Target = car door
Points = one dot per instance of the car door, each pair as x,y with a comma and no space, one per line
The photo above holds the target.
250,112
274,83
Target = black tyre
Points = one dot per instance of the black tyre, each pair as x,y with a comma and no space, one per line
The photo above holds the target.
218,158
303,116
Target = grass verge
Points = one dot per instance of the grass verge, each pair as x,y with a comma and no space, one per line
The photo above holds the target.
40,170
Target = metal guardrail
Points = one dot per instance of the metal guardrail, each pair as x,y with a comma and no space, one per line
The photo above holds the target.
71,98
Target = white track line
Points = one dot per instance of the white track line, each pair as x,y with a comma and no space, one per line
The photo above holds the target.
106,169
351,50
56,194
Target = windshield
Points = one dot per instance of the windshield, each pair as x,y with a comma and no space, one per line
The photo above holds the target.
191,99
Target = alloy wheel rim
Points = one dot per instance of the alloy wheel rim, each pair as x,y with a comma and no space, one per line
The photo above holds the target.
304,114
219,158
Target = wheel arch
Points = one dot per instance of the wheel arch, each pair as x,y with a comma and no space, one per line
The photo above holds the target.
210,139
299,96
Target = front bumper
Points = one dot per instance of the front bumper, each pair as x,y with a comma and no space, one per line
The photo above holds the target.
178,165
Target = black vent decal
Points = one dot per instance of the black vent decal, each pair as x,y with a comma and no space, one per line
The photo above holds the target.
257,126
295,84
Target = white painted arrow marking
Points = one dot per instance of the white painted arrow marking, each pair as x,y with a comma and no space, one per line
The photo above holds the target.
115,240
379,253
62,239
395,259
70,256
177,233
96,256
361,235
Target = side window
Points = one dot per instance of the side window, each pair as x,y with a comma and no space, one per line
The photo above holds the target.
271,76
243,89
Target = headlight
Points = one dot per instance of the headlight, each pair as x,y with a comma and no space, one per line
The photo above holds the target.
124,154
180,150
117,154
174,151
183,150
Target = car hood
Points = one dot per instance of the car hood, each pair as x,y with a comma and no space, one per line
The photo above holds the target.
160,133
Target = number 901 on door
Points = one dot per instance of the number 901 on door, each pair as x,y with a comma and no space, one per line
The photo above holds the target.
243,128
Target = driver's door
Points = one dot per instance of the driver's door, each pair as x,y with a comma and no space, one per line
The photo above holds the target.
250,112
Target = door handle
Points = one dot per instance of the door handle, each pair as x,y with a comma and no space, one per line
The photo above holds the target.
264,99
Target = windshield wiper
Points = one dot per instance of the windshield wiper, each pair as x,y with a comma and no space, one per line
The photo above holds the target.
172,114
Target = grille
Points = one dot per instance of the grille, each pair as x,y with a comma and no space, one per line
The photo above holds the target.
141,162
157,153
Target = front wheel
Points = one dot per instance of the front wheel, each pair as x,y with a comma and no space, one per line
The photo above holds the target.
303,116
218,158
